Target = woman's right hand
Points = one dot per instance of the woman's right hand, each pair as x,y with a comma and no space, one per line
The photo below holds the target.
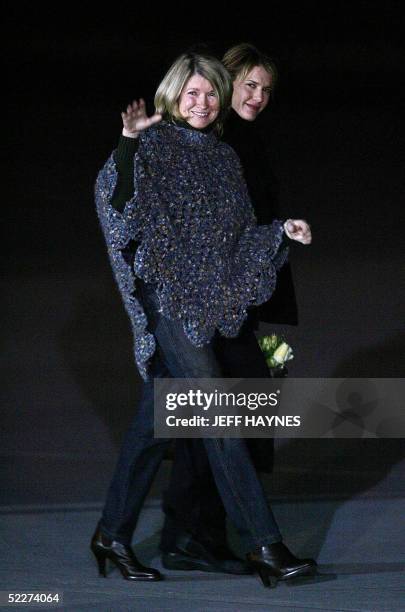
299,230
135,119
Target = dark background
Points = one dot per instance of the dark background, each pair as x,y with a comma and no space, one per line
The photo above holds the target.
335,130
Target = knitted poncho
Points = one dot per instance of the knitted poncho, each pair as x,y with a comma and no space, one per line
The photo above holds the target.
199,243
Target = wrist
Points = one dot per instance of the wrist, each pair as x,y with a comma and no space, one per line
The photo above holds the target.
129,134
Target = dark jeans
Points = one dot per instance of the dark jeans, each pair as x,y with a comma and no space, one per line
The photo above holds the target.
191,502
141,454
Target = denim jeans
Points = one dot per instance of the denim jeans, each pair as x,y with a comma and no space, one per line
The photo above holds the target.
141,454
191,502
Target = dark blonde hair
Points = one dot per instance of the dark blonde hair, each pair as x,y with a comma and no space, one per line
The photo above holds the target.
241,59
186,66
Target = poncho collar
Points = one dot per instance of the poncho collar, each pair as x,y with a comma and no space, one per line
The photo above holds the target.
187,136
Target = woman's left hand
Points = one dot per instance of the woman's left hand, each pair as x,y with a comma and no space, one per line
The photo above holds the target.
299,230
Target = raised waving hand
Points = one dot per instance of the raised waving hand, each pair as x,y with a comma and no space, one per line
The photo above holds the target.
135,119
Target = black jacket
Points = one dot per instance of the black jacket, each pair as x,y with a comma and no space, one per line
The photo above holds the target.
245,138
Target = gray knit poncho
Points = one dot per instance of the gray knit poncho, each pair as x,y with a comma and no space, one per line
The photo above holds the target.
198,239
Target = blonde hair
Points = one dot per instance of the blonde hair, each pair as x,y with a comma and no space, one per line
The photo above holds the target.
241,59
186,66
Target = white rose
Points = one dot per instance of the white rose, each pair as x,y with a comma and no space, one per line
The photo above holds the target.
283,353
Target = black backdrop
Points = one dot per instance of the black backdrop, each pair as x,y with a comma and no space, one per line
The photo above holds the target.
335,130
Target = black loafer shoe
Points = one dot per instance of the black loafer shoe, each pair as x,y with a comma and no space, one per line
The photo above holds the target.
191,554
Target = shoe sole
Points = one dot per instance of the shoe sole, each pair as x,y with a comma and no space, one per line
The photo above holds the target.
306,571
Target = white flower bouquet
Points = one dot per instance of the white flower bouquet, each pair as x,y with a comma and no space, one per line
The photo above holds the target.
276,351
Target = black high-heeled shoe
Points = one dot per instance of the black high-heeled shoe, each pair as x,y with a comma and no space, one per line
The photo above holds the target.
275,562
121,556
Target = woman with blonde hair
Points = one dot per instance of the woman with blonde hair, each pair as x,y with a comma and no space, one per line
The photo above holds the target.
194,531
189,259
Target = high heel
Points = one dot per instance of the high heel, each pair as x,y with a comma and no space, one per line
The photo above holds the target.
122,556
268,580
275,562
101,562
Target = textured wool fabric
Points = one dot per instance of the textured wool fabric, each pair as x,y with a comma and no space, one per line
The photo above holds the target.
197,236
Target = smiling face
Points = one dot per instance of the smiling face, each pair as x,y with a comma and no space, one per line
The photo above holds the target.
198,102
252,93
